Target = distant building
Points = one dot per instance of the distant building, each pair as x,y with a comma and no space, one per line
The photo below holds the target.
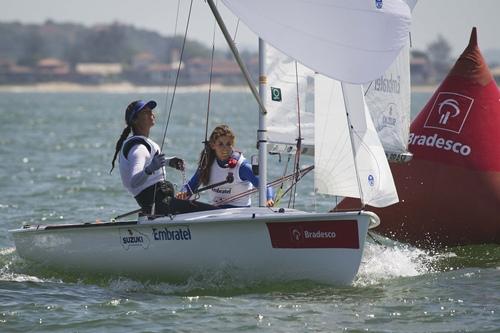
52,67
11,73
143,60
101,69
5,65
421,71
99,72
223,71
153,74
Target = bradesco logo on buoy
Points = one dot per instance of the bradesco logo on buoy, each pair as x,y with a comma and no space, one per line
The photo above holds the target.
436,141
449,112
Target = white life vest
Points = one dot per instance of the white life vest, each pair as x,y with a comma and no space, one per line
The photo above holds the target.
219,174
129,168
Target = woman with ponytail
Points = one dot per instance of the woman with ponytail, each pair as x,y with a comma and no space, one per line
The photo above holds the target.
142,164
217,160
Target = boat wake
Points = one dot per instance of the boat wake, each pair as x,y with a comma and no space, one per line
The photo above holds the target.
389,260
12,267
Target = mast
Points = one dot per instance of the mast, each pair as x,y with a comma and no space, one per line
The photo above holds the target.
259,96
236,55
262,131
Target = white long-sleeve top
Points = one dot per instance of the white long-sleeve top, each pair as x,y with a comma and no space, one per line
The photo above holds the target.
139,154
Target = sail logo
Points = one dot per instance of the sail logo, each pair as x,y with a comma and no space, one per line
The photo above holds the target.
388,118
131,238
449,112
371,180
276,94
388,85
378,4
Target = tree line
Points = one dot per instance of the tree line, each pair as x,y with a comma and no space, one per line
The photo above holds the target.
26,44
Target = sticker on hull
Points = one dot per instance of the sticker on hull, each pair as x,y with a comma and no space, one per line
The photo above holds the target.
131,238
178,233
314,235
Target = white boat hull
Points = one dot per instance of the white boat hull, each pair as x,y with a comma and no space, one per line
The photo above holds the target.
247,243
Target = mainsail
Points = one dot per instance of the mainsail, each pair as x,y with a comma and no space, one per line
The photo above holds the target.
351,41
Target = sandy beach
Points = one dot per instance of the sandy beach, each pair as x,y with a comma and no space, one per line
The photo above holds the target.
125,88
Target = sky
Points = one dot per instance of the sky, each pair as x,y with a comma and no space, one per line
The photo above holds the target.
453,19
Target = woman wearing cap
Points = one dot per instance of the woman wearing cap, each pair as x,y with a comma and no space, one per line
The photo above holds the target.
141,164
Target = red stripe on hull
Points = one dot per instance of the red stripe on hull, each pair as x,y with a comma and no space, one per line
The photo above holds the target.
314,234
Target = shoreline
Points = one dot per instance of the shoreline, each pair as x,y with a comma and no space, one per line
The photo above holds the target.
125,87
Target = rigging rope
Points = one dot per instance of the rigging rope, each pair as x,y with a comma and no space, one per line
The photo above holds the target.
299,143
169,73
175,88
203,159
280,193
177,75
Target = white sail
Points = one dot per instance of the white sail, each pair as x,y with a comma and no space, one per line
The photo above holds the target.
287,82
411,3
389,100
334,167
351,41
349,164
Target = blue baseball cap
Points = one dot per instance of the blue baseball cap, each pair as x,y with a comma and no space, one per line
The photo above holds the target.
135,107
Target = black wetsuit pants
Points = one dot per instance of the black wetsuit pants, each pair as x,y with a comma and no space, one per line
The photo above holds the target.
166,203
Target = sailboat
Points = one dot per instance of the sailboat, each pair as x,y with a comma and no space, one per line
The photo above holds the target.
345,44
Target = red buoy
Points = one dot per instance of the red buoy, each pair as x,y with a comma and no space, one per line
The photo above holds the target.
450,191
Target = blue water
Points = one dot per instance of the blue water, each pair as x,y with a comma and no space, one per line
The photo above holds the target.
56,150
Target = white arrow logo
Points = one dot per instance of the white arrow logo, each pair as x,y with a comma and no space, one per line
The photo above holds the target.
446,115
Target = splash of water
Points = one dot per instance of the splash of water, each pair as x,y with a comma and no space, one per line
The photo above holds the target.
8,268
389,261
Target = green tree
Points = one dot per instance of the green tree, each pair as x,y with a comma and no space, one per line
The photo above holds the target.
34,49
106,44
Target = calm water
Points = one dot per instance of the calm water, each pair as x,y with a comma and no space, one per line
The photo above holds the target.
56,151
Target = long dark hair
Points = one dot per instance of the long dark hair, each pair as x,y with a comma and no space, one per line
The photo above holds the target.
207,155
119,144
125,133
